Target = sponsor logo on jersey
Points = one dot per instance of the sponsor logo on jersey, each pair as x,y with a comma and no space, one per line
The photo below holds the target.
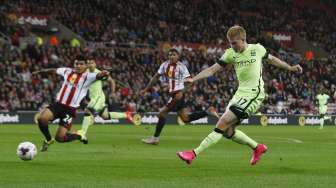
245,63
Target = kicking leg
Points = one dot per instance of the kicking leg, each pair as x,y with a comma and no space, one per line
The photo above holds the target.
225,127
43,120
227,120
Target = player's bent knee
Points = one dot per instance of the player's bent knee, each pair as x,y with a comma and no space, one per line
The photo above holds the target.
59,139
228,133
223,124
42,120
105,117
162,114
184,118
87,114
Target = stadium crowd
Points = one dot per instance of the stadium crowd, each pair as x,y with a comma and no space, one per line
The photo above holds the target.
153,21
149,21
20,91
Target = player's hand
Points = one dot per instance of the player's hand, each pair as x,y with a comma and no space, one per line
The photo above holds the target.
188,82
105,73
296,68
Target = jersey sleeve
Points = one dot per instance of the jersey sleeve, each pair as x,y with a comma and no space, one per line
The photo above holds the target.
91,77
227,58
186,73
62,71
262,51
161,69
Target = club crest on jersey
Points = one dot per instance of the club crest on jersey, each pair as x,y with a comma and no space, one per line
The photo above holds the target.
73,78
170,72
253,53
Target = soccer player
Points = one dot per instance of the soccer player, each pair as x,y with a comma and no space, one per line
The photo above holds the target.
74,88
247,61
97,105
322,100
175,72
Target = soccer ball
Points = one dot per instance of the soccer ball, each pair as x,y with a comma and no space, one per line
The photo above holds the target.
26,151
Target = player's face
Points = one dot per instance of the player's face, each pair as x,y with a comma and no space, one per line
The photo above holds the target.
80,66
91,65
173,57
237,44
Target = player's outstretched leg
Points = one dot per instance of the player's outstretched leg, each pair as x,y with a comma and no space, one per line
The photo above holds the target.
225,127
43,119
258,149
257,152
189,155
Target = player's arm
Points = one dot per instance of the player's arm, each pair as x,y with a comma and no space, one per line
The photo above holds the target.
112,83
205,73
283,65
51,70
152,81
103,74
328,100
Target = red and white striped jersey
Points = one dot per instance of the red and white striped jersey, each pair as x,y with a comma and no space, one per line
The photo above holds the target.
75,86
175,73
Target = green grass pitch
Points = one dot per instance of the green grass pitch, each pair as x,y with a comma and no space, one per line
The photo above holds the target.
115,157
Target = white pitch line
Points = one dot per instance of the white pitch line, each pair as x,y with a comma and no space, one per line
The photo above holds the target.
285,139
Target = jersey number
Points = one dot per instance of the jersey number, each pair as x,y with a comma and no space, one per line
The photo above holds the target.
67,119
241,101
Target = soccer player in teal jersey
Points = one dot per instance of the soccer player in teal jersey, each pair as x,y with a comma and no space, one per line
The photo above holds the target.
247,61
322,100
97,105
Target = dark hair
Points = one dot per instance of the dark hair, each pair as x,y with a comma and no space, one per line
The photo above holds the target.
80,58
174,50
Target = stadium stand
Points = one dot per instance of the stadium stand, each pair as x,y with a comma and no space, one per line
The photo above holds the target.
152,22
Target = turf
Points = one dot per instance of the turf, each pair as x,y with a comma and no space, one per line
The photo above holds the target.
115,157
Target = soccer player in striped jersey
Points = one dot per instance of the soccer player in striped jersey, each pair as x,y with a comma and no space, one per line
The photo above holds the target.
247,60
97,104
175,72
75,86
